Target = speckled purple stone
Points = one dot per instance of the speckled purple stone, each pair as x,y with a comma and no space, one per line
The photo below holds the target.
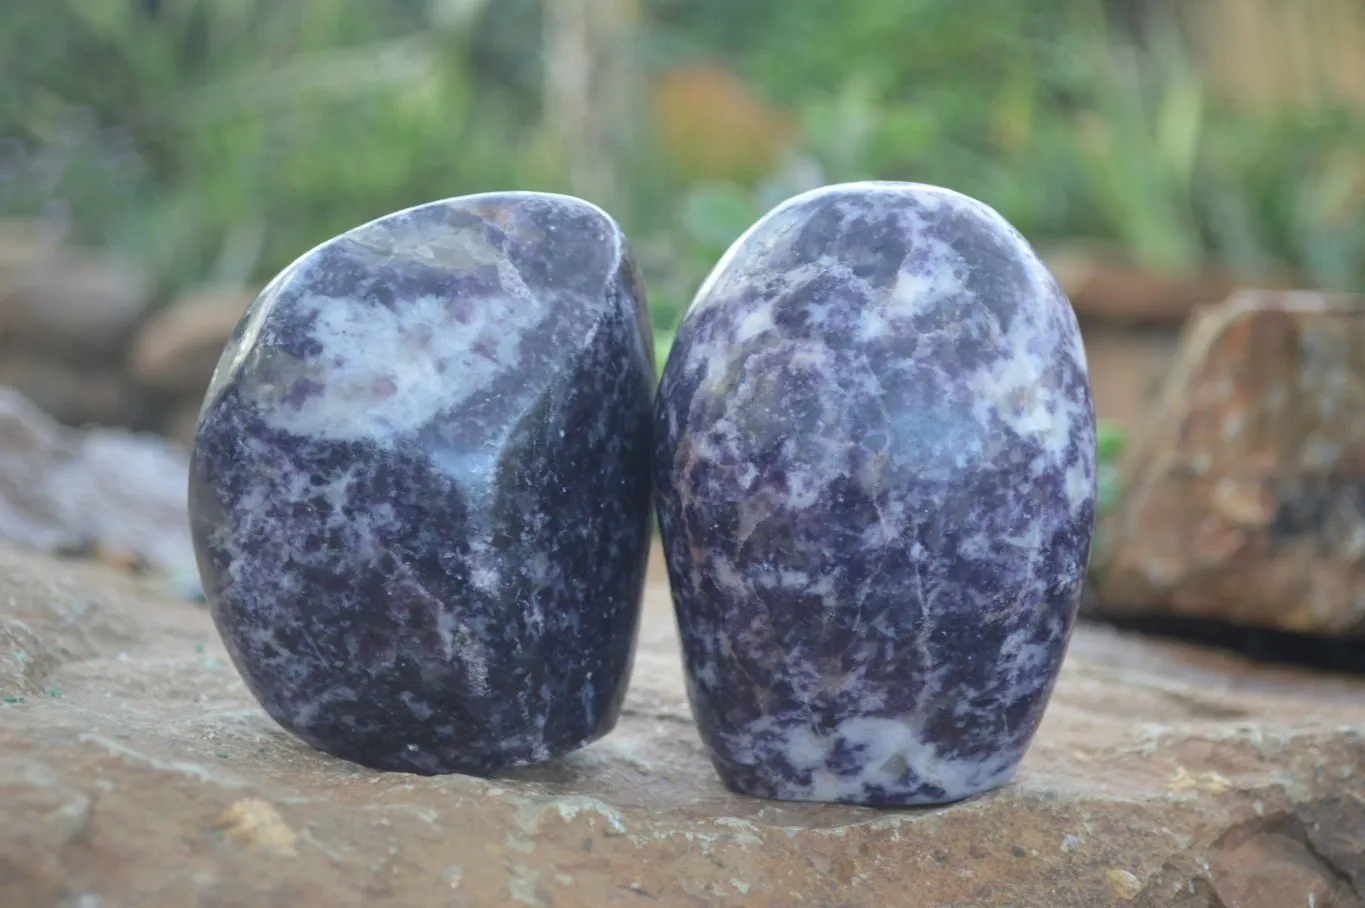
875,472
420,485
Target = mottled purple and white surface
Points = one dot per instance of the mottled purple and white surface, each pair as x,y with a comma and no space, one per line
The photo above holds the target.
420,485
875,474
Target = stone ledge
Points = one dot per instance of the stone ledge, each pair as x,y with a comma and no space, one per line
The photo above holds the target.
135,770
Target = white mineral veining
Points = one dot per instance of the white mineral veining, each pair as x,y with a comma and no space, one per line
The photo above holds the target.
940,278
572,806
1079,484
908,383
390,378
399,366
1012,389
888,748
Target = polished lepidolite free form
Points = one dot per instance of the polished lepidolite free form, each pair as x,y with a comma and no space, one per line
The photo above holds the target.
420,489
875,470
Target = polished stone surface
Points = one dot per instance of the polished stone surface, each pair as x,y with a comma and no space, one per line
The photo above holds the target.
875,467
420,487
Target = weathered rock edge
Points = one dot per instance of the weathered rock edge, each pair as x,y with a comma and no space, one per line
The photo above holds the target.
136,771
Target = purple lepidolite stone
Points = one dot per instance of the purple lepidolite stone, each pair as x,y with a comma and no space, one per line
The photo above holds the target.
420,485
875,473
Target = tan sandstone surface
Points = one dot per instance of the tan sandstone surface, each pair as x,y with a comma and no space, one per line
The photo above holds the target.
136,771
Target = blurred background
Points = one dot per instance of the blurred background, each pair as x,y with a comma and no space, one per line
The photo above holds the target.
161,159
178,153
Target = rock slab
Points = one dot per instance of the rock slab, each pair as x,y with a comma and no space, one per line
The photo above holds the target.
106,491
875,468
419,492
1243,497
65,315
136,771
62,299
175,351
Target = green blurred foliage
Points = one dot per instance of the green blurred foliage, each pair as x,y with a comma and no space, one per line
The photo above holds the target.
1110,440
219,139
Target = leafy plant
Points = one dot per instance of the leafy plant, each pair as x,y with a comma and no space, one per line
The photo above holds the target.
257,129
218,139
1110,441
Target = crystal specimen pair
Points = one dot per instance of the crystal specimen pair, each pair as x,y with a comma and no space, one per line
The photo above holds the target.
422,481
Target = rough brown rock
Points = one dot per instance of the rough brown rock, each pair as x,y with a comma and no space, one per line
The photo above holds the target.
74,393
180,424
175,352
1244,497
116,493
24,243
1105,285
65,315
136,771
57,298
1102,283
1127,366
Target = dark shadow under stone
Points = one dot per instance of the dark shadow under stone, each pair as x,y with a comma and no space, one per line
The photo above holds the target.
1326,654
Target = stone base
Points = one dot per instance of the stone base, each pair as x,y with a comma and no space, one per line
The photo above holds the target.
893,786
136,770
